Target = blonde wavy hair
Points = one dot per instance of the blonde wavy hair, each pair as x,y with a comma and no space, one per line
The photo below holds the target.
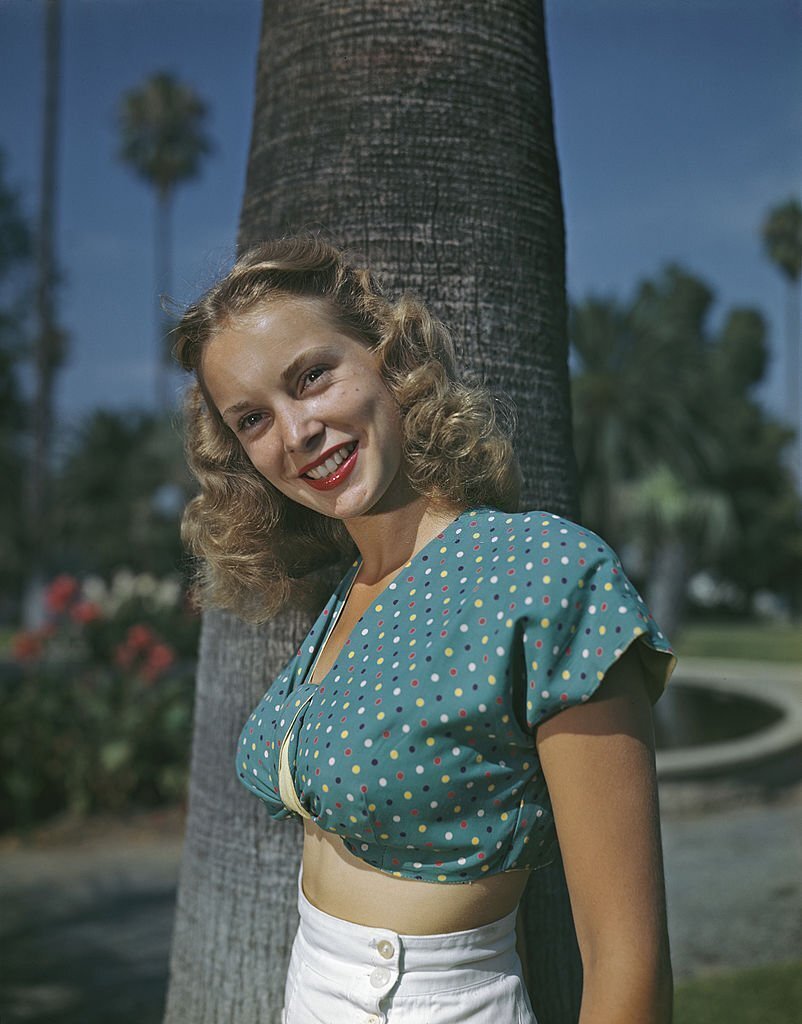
257,551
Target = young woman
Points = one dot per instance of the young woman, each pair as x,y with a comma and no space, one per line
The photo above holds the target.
477,684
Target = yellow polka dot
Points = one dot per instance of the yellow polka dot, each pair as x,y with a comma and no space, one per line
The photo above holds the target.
544,623
352,818
356,769
430,741
491,680
420,702
458,692
380,716
478,603
371,807
602,630
407,795
475,841
448,651
445,778
547,579
504,815
378,607
344,734
384,835
441,878
637,630
566,674
608,586
325,788
394,754
421,828
582,544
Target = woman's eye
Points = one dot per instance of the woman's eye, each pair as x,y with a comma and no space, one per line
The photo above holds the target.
249,421
310,374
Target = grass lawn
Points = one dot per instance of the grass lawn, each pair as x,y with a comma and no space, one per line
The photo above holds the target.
754,642
762,995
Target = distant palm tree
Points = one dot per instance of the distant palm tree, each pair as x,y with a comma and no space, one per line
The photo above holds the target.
782,238
163,140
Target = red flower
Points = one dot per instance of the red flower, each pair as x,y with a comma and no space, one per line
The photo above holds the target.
60,594
140,638
84,612
160,658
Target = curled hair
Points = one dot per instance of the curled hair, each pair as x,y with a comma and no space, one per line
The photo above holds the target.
258,551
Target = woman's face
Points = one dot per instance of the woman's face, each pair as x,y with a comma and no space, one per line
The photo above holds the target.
293,388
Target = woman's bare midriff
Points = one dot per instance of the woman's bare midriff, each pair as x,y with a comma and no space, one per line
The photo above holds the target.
340,884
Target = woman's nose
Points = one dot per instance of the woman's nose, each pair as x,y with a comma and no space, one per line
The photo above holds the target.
300,431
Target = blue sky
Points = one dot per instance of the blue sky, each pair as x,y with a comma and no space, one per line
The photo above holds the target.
677,121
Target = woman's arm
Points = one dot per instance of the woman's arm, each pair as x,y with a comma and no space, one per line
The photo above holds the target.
598,762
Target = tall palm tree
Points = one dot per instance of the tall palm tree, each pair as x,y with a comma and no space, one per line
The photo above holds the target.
782,239
163,139
421,135
49,342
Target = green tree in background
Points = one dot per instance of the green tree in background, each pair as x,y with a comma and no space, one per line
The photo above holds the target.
119,494
782,238
16,250
163,139
766,549
674,452
637,367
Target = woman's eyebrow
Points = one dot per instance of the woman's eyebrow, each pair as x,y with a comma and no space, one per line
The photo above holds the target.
287,375
310,353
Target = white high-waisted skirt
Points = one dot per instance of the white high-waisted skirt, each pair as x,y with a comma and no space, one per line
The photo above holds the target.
344,973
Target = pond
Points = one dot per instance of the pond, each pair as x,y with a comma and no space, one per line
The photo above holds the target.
694,716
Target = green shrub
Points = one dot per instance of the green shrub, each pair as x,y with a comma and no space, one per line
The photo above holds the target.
97,705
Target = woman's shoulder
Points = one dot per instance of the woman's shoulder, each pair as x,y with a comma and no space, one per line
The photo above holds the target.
535,530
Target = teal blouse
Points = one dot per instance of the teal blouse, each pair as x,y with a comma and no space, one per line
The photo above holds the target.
417,747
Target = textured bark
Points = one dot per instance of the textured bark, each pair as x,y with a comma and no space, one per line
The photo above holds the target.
421,136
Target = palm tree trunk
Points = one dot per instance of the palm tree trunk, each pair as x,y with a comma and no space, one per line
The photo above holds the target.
421,135
163,264
47,351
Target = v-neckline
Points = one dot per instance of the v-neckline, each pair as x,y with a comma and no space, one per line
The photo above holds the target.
335,607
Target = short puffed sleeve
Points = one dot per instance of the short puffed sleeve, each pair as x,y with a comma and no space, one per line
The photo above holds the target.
589,614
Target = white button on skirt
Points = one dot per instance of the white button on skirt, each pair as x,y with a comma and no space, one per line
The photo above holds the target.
341,971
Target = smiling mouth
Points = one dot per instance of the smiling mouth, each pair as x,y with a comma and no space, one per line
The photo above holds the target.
332,463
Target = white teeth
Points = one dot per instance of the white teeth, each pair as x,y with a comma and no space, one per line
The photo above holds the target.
327,468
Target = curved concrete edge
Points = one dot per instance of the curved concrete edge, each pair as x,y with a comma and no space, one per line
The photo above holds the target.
779,685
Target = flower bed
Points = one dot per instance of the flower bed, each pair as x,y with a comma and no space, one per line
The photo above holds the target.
97,703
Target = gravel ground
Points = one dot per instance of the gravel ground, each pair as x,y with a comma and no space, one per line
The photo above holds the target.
87,915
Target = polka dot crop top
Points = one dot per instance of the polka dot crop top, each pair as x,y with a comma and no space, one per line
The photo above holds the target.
417,747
